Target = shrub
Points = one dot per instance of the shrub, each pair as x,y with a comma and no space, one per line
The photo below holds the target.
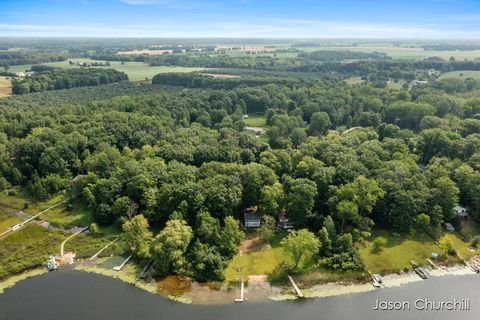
378,244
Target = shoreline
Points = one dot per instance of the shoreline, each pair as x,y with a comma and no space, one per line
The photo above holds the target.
271,293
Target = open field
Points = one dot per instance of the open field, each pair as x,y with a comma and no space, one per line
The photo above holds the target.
469,228
135,70
398,252
5,87
403,52
265,260
461,75
255,120
19,201
27,248
80,215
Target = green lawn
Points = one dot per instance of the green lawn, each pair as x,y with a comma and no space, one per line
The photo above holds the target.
80,215
461,75
270,261
135,70
7,221
398,252
460,246
255,120
17,200
469,228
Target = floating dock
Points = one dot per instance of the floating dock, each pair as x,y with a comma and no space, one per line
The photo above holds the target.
297,289
242,297
118,268
100,251
144,273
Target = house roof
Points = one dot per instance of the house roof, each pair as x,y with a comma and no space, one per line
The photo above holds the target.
249,216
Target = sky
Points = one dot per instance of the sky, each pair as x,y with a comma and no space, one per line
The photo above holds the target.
423,19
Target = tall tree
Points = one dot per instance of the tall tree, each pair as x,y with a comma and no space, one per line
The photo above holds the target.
138,236
169,247
301,244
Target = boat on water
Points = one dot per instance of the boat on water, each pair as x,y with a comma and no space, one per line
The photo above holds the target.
52,263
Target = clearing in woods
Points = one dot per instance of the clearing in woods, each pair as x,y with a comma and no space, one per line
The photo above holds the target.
5,87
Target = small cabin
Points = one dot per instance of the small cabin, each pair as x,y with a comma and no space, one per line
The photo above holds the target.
256,130
284,222
449,227
461,212
251,220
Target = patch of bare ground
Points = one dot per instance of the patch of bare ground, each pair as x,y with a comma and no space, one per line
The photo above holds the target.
253,242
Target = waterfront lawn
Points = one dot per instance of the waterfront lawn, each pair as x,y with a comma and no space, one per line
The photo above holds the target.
469,228
260,262
271,260
460,246
28,248
86,246
80,215
255,120
398,252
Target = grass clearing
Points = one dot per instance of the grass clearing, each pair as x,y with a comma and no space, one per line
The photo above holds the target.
415,53
462,75
80,215
255,120
7,221
271,261
17,199
354,80
460,246
5,87
28,248
398,252
469,228
135,70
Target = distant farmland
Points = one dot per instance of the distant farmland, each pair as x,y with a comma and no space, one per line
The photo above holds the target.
5,87
462,75
135,70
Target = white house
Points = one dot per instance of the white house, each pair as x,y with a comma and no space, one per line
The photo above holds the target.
461,211
252,220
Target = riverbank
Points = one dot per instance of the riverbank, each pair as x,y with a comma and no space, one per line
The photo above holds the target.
257,288
13,280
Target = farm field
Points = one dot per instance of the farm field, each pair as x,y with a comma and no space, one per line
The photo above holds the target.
5,87
462,75
135,70
403,52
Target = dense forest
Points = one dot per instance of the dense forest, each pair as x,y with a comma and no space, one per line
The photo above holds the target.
174,155
47,78
13,57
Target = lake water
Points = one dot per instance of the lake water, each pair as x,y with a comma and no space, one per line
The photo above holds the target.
76,295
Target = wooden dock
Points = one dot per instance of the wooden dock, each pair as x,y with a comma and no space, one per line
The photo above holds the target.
143,274
118,268
297,289
242,297
100,251
73,235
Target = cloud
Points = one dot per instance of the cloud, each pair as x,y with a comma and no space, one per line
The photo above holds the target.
268,28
